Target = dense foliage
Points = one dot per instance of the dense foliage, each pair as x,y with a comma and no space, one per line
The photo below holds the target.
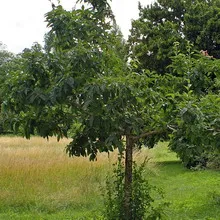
194,26
197,133
166,21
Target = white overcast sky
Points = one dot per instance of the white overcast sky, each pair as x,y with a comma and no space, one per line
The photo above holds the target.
22,21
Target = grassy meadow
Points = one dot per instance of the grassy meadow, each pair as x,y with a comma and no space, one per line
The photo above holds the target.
39,181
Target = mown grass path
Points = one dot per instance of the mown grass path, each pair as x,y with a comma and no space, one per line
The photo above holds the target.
192,194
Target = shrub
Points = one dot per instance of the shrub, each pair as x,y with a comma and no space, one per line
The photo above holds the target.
214,160
143,203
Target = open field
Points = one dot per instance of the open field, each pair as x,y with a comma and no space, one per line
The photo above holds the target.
39,181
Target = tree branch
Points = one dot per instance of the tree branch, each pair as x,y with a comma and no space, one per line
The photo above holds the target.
147,134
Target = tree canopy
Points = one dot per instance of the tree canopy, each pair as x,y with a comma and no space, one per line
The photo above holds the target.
81,82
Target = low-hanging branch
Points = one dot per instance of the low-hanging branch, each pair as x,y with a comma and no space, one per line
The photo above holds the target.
147,134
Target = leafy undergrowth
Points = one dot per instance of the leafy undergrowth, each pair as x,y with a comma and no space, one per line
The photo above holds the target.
39,181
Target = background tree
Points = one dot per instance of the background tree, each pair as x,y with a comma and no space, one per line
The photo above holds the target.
164,22
5,55
201,26
5,58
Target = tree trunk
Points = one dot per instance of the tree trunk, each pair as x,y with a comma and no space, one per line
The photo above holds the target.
128,178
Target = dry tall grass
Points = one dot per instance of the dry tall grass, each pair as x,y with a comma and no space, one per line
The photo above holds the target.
38,174
39,181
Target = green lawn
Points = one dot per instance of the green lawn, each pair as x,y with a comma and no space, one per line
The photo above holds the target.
39,181
192,194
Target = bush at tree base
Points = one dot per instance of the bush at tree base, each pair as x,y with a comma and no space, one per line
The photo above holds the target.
144,206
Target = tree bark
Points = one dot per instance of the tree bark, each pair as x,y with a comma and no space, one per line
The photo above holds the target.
128,178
